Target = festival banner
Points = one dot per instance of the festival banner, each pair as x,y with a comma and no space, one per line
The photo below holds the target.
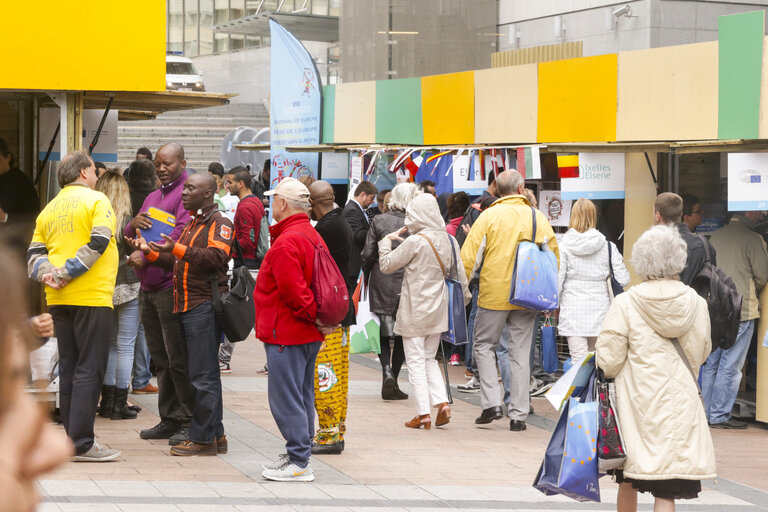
296,104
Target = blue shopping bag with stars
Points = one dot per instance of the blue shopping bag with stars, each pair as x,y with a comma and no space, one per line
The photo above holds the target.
570,466
534,278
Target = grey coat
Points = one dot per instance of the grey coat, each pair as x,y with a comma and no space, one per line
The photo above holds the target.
384,289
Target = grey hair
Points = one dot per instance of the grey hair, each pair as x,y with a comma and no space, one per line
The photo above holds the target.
508,182
659,253
402,194
71,165
302,205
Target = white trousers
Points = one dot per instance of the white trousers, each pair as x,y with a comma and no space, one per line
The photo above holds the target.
428,386
578,346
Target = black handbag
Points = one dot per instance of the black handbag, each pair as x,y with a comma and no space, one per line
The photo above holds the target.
614,287
235,310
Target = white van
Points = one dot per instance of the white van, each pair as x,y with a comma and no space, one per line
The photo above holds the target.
182,75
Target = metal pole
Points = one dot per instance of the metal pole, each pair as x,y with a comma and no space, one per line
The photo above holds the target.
101,125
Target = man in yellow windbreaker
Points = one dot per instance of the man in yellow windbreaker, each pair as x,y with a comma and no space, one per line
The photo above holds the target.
489,251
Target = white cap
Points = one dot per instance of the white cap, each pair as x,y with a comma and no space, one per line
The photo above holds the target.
290,188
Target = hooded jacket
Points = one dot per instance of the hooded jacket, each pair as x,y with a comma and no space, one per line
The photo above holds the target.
583,281
286,310
662,418
423,306
492,245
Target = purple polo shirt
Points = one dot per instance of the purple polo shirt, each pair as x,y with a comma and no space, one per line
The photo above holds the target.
168,199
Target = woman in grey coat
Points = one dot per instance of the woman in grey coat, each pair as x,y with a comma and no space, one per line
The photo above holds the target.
384,289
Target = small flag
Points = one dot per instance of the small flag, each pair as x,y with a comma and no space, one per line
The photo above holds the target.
399,160
482,164
413,165
529,162
568,166
437,155
472,165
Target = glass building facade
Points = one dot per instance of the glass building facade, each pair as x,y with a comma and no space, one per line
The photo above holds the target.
190,22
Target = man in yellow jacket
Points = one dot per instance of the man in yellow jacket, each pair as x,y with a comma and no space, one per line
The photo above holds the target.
490,251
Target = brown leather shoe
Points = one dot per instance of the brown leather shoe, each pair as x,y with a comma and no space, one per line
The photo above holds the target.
420,421
221,444
192,449
149,389
443,414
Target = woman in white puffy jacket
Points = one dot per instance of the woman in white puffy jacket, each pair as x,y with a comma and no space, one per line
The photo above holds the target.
583,278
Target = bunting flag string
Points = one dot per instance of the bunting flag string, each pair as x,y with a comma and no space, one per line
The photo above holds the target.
568,166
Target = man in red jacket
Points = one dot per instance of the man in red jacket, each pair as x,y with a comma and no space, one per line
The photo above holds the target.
286,321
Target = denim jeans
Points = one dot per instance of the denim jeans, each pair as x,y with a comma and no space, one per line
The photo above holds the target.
468,358
202,334
141,373
124,330
721,375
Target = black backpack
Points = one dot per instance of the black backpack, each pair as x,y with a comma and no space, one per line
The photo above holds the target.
723,301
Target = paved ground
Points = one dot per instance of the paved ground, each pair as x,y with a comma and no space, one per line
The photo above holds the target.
385,466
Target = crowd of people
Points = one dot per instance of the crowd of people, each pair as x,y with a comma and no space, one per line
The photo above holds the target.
129,261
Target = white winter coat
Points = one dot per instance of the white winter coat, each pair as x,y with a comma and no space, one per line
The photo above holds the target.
661,416
423,308
584,298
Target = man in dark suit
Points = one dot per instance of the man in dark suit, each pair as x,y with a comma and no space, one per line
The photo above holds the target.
354,214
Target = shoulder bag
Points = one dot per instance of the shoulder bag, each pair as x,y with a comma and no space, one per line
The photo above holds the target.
235,310
534,278
614,287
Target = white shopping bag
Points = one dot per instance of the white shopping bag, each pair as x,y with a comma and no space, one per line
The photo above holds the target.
364,335
572,382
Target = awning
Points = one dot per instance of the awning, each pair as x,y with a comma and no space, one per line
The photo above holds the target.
306,27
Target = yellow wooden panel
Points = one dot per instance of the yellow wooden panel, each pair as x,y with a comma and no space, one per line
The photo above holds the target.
577,100
638,204
668,93
506,104
448,108
355,113
763,131
84,45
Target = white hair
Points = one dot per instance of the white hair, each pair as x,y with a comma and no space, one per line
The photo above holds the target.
302,205
508,182
402,194
659,253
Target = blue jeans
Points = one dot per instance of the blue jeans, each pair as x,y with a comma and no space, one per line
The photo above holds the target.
202,334
471,330
721,375
141,359
124,330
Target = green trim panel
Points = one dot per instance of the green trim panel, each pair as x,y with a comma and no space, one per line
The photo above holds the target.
329,113
398,112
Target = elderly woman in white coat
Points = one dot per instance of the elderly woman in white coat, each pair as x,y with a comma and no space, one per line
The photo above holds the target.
653,340
427,256
583,275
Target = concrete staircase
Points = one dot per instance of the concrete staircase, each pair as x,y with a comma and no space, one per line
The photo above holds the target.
200,131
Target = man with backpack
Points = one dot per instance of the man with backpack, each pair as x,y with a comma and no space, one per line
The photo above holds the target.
248,215
287,323
332,367
743,256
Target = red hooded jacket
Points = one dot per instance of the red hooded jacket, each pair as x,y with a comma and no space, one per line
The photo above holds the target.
285,306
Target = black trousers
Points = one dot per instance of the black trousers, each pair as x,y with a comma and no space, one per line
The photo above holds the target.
395,354
168,349
83,335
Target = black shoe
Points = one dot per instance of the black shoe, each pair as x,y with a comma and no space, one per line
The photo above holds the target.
107,401
398,394
328,449
516,425
121,411
388,383
731,424
180,436
163,430
488,415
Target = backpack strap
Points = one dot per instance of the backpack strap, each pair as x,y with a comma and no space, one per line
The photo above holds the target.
442,267
705,242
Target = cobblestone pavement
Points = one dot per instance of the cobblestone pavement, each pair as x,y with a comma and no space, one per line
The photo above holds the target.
385,467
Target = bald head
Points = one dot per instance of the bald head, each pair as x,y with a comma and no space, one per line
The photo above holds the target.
322,197
199,191
169,162
204,181
509,183
173,149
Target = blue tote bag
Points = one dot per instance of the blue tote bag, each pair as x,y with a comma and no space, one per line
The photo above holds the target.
534,278
457,313
570,465
548,347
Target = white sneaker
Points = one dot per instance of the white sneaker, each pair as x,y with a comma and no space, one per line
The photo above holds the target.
276,464
289,472
473,386
97,453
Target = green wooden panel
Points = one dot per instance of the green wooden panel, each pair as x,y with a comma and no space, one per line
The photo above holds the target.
398,111
329,113
740,62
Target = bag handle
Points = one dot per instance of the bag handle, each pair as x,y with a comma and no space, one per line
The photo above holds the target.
610,259
533,235
442,267
681,353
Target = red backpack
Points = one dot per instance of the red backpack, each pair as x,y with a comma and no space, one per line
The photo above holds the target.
328,286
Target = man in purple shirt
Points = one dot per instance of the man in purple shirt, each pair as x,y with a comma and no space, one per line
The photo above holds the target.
162,326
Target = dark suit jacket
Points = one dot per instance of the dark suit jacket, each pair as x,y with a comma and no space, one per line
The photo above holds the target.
359,224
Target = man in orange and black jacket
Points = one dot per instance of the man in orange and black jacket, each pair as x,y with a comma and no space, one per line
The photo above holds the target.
202,250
